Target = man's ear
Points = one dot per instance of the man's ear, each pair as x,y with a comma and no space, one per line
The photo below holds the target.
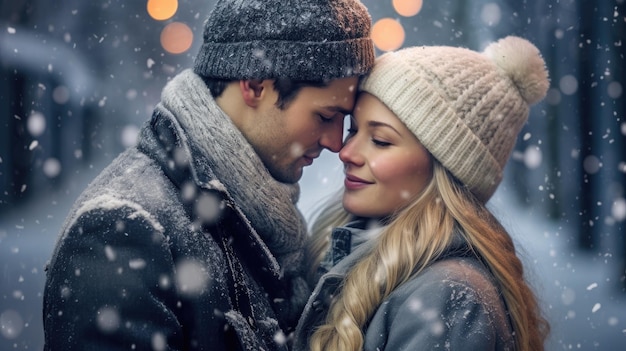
252,91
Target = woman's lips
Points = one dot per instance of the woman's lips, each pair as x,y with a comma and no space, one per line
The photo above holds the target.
354,183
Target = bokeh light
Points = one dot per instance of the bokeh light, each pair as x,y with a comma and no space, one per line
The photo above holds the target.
61,94
533,157
614,90
388,34
129,135
162,9
568,84
11,324
407,8
36,124
592,164
491,14
618,209
108,319
176,38
192,279
51,167
159,342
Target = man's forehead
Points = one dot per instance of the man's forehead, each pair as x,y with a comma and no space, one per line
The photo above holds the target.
337,108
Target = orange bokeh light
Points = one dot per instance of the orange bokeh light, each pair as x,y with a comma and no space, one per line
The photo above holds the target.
162,9
176,38
388,34
407,8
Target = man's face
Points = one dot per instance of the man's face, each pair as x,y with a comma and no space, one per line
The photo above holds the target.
289,139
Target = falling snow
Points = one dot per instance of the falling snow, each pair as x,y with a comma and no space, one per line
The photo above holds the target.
88,83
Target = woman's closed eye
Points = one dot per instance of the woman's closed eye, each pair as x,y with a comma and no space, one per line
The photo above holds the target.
380,143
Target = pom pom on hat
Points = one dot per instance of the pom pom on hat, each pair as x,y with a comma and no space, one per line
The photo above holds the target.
466,108
522,62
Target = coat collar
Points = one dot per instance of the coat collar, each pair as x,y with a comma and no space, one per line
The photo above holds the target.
165,141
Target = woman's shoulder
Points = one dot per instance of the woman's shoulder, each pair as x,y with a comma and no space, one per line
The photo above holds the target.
450,279
442,305
456,289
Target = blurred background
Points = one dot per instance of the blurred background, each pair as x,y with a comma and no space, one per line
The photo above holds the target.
79,78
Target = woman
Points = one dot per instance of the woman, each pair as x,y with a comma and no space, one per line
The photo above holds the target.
416,260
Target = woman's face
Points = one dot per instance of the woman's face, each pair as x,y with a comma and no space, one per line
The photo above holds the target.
385,165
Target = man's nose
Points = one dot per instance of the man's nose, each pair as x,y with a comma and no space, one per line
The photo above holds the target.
332,138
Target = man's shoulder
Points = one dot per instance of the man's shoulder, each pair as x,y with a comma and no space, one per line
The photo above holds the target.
130,183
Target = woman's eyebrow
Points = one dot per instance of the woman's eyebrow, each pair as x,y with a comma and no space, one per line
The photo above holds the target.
382,124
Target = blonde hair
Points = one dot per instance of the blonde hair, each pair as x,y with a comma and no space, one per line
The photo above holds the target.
414,238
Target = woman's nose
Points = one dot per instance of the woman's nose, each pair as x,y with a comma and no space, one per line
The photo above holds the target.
349,153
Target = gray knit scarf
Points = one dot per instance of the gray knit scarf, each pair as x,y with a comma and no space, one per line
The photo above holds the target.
269,205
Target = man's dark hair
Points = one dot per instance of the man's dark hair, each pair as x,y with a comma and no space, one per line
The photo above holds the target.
287,89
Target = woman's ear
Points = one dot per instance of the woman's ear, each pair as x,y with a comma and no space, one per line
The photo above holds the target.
252,91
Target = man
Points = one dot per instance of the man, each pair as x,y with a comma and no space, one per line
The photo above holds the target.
192,239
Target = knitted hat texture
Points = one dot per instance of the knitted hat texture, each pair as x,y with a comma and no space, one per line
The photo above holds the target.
466,108
307,40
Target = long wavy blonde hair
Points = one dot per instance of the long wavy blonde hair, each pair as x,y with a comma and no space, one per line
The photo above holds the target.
414,238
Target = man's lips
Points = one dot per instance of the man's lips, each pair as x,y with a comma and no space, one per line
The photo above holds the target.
353,182
309,158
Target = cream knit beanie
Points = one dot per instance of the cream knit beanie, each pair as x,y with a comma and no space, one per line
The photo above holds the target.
465,107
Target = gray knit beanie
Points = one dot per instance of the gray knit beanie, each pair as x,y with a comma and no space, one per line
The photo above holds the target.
306,40
466,108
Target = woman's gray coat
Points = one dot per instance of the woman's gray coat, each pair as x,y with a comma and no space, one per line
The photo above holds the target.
453,304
